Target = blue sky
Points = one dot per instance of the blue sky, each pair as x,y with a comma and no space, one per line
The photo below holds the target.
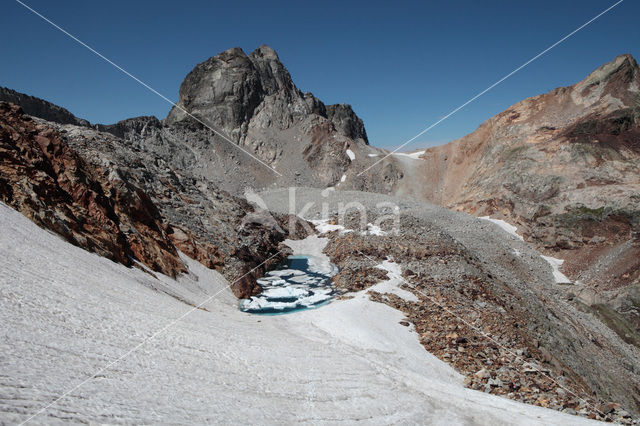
402,65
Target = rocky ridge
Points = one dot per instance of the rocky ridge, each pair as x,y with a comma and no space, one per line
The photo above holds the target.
91,206
564,167
98,192
40,108
252,101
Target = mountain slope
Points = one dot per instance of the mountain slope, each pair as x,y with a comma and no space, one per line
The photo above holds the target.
564,167
65,325
252,101
40,108
104,195
488,303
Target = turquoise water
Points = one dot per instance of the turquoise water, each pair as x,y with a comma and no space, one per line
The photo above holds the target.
292,286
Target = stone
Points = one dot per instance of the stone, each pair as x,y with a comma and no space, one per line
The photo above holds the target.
482,374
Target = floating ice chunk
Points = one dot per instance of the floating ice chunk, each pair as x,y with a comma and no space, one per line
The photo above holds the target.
555,265
315,299
285,293
351,155
504,225
301,279
270,281
257,304
321,266
304,282
285,273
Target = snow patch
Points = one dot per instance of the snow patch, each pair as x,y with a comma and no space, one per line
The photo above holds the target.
415,155
351,155
343,178
67,313
555,265
312,247
392,285
559,277
323,226
374,230
504,225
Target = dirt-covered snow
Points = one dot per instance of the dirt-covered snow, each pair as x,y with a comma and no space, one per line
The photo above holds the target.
67,314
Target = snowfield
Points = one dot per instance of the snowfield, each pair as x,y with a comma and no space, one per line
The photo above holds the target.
67,314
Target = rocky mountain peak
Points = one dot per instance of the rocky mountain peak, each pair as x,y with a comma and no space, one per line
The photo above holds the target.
618,79
223,90
273,74
347,122
231,53
265,52
234,91
623,66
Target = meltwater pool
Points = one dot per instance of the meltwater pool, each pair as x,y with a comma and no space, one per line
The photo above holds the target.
301,282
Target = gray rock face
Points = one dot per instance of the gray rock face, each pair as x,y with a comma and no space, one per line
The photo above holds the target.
40,108
347,122
132,128
252,102
224,90
274,77
230,90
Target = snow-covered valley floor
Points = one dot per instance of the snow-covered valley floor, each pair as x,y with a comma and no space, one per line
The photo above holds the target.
66,314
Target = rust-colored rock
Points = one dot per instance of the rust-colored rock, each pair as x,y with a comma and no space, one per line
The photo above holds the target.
91,207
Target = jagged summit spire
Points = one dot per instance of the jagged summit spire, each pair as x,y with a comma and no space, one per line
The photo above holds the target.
265,52
230,89
623,67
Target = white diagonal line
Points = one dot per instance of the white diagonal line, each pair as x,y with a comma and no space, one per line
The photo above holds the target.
493,85
147,340
217,132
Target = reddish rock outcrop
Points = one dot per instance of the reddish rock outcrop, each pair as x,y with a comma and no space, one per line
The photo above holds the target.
91,207
564,167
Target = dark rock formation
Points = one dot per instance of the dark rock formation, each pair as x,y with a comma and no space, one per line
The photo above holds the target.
228,90
92,207
40,108
347,122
